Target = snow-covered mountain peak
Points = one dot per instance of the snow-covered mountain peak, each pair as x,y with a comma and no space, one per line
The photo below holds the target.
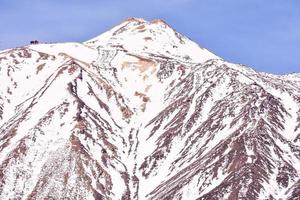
142,112
154,37
134,19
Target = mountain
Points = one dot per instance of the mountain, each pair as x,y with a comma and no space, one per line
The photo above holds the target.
142,112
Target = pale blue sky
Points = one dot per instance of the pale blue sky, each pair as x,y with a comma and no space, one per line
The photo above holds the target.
263,34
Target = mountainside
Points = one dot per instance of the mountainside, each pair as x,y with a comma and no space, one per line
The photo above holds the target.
142,112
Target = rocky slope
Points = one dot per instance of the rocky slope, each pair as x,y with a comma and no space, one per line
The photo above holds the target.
142,112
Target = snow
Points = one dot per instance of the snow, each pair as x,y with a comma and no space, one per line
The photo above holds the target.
292,108
74,50
163,40
121,66
214,183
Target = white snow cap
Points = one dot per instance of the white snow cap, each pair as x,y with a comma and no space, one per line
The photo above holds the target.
155,37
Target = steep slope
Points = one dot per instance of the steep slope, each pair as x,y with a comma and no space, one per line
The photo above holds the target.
142,112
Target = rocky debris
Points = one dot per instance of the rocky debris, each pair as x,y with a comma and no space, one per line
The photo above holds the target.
164,119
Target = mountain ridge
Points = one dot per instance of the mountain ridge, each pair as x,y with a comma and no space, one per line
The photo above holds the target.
124,117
